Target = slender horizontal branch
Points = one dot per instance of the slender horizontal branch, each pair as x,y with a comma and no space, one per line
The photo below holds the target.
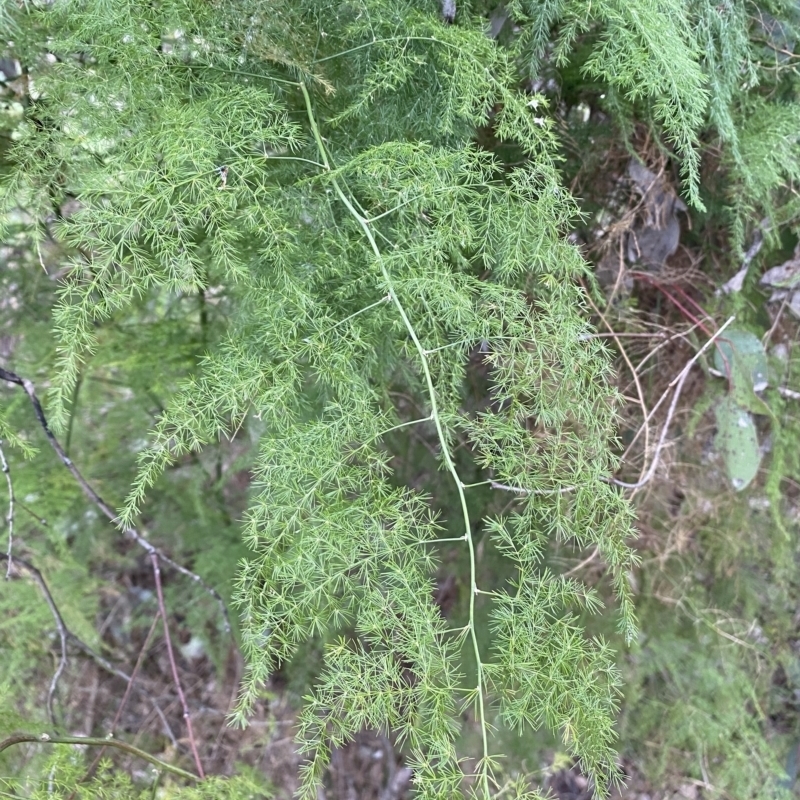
92,741
387,40
520,490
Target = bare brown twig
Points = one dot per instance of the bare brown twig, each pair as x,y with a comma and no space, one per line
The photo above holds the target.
152,551
634,374
63,632
654,409
125,697
678,384
67,636
649,279
586,561
768,335
10,516
89,491
651,353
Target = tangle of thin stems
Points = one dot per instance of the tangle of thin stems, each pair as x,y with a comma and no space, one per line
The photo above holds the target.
685,311
107,511
637,382
678,384
153,552
70,637
651,353
663,397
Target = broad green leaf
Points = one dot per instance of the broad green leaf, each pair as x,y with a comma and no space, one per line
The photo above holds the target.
737,441
746,350
740,357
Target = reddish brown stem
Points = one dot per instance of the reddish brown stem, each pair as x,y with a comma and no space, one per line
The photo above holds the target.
645,277
174,666
683,293
685,311
123,703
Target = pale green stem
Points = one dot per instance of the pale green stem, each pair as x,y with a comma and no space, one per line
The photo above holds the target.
383,41
392,210
451,468
360,311
462,630
293,158
397,427
439,541
446,347
405,203
44,738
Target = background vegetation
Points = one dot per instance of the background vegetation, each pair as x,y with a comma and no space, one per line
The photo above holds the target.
362,333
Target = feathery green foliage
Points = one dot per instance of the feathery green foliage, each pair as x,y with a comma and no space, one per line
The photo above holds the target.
64,773
314,169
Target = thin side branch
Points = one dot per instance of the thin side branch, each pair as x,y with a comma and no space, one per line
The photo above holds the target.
125,697
91,741
683,335
107,511
521,490
634,374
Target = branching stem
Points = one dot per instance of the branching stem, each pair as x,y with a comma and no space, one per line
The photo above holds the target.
63,632
66,635
436,417
101,504
380,302
125,697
